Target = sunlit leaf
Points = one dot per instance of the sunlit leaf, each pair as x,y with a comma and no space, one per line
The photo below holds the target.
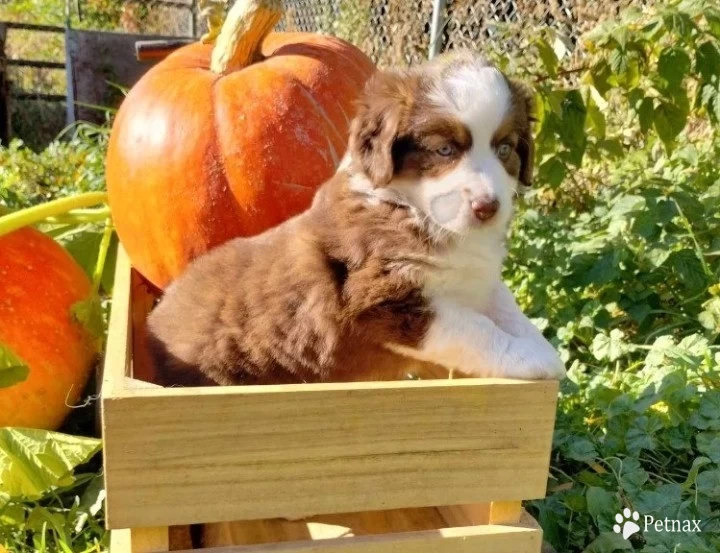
673,65
13,370
34,462
89,314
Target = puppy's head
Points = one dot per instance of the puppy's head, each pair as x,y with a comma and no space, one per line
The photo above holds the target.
451,139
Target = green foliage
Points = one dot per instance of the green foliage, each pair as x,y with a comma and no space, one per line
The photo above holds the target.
65,167
12,369
48,502
616,254
51,500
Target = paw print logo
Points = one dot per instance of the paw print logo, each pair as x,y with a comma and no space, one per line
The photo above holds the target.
627,523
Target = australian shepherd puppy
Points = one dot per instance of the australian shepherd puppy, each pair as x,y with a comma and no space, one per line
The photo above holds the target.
397,263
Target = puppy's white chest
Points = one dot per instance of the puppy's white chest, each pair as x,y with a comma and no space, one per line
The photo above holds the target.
466,275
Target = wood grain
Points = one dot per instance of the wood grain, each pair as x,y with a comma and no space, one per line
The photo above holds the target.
118,350
321,527
182,456
140,540
475,539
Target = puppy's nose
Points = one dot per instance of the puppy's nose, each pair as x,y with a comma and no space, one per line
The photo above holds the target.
485,209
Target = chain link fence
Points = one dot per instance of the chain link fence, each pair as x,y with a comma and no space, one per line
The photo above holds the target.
397,32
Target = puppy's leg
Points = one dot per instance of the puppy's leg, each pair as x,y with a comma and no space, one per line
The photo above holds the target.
461,338
504,311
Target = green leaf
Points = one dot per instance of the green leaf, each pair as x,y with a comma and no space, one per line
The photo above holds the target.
552,172
601,503
572,130
632,476
625,204
678,22
548,56
608,542
609,347
673,65
89,314
646,114
708,443
710,405
657,257
604,270
83,243
35,462
662,499
707,60
712,16
640,436
669,120
708,484
688,269
13,370
582,449
596,118
600,73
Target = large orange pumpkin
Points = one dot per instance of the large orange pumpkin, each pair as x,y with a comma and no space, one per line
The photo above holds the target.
39,284
214,143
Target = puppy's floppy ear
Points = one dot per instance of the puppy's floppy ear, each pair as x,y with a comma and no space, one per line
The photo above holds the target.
375,127
524,101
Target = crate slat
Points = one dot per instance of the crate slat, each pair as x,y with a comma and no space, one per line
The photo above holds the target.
475,539
177,456
180,456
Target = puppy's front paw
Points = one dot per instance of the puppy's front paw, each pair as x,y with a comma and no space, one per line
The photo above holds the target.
533,361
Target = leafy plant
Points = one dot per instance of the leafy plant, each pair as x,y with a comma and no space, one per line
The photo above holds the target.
44,505
616,254
51,497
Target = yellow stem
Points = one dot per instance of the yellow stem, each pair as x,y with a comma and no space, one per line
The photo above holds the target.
248,23
38,213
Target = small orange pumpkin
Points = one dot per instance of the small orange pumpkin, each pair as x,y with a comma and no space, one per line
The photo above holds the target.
214,143
39,284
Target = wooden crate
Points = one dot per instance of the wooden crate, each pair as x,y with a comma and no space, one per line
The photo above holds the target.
396,467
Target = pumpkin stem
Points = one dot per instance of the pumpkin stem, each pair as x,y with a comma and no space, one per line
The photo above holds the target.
248,23
40,212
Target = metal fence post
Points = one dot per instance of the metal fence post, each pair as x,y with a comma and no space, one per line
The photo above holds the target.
436,27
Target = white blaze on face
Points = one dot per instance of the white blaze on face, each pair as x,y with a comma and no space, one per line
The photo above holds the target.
479,97
444,208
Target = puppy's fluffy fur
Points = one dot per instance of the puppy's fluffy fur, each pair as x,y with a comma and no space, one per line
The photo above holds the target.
398,258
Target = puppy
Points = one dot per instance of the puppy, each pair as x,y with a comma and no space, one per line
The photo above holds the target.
397,260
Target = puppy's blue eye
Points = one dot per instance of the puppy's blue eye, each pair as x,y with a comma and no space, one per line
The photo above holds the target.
504,150
446,150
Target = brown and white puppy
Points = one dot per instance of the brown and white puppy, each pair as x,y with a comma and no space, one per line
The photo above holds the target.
398,258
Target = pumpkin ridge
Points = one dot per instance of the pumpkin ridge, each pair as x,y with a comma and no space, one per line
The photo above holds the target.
339,51
215,142
318,107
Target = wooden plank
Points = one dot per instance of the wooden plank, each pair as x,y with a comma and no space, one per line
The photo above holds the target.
158,49
117,352
150,540
476,539
252,532
120,541
183,456
466,515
